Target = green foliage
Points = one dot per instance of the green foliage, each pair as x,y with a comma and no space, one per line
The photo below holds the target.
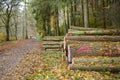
2,37
62,30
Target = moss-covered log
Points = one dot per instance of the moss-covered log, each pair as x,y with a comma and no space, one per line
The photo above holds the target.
53,38
93,38
95,32
83,28
51,42
93,49
104,67
46,47
89,29
95,60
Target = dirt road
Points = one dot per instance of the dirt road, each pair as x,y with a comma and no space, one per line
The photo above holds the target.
10,56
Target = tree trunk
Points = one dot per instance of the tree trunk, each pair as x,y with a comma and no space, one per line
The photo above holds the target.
107,67
86,22
94,6
68,22
49,27
103,14
26,35
16,23
72,15
65,26
88,12
82,12
8,28
74,12
43,27
57,22
16,30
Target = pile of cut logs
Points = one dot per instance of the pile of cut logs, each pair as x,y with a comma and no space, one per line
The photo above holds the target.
52,42
93,49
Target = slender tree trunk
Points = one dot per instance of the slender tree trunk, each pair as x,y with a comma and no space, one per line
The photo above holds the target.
23,32
72,19
26,36
82,12
68,22
49,27
8,28
93,7
74,11
65,26
86,22
16,24
103,14
88,12
57,22
16,30
43,27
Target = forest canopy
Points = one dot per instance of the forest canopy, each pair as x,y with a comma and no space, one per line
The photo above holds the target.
83,13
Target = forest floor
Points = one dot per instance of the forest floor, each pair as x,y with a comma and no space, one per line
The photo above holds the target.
11,53
24,60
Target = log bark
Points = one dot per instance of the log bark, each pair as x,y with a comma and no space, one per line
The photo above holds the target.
88,29
96,60
51,43
81,39
51,47
95,32
93,38
93,49
53,38
82,28
107,67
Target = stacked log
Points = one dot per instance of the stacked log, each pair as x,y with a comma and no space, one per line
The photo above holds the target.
103,67
93,49
52,42
53,38
92,63
83,28
95,32
79,39
94,60
93,38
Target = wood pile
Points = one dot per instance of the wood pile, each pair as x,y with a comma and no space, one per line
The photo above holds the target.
52,42
101,47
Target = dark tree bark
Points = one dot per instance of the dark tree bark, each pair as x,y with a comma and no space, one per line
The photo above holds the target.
65,26
72,15
57,22
68,22
103,14
82,12
93,38
107,67
86,21
16,23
